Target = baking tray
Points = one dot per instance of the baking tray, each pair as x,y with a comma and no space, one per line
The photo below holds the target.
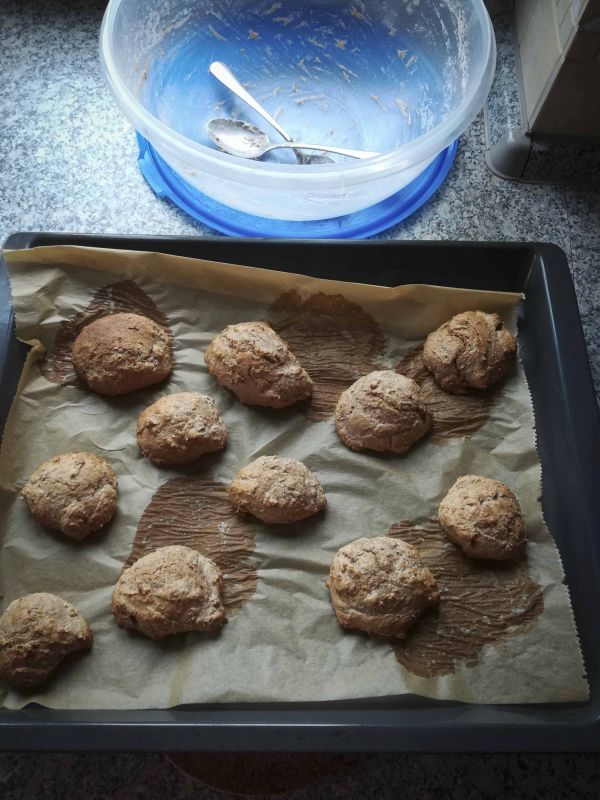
568,433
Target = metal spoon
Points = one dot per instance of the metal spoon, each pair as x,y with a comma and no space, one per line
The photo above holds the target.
222,73
247,141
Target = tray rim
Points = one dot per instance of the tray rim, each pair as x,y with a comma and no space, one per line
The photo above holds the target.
417,725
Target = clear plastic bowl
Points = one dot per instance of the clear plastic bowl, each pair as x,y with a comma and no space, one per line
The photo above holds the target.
400,77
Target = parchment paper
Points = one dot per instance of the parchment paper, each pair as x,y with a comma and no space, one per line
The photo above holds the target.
283,643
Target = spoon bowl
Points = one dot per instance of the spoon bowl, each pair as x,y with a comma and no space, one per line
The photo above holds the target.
237,138
223,74
244,140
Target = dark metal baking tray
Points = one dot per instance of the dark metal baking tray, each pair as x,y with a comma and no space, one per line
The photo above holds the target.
568,430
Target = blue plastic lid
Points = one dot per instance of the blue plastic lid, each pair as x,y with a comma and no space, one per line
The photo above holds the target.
166,183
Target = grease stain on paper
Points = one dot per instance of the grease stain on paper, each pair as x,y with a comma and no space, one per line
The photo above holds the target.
114,298
481,603
195,512
335,340
454,416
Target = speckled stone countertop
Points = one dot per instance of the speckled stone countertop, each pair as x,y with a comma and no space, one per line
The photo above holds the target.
68,163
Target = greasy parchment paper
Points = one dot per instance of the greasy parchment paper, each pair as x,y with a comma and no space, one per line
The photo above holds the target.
284,643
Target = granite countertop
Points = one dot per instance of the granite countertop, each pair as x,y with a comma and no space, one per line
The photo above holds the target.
68,163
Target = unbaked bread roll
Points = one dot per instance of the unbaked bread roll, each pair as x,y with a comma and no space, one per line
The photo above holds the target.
121,353
482,516
171,590
382,411
75,493
37,631
277,490
257,365
179,428
473,350
380,586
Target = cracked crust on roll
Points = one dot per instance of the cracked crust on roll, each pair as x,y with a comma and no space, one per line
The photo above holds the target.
380,586
37,632
75,493
382,411
257,365
172,590
179,428
482,516
473,350
277,490
121,353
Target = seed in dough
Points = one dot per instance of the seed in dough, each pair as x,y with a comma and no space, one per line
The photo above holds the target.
382,411
75,493
257,365
277,490
380,586
171,590
121,353
482,516
473,350
36,632
179,428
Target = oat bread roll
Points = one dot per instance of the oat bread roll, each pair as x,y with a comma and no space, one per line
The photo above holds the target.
171,590
121,353
380,586
75,493
179,428
257,365
382,411
482,516
277,490
37,631
473,350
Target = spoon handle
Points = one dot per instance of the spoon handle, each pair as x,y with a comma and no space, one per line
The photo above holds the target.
325,148
225,75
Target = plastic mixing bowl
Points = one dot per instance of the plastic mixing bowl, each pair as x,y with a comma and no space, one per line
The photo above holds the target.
400,77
